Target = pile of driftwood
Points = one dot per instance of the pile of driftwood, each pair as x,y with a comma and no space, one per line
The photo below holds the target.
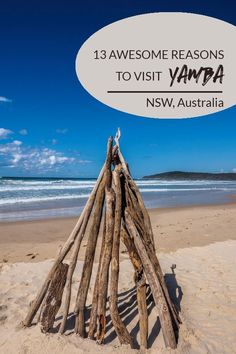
125,219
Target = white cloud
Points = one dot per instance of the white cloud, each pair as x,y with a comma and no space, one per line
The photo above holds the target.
4,99
16,158
51,157
17,142
4,133
23,132
62,131
234,170
16,155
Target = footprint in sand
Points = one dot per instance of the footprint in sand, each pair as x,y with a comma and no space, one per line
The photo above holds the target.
3,316
32,255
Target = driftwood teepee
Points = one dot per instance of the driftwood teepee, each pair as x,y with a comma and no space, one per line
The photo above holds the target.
126,219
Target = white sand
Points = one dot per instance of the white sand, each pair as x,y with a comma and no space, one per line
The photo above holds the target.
206,275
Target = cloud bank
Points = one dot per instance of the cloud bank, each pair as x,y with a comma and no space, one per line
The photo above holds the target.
15,154
5,99
4,133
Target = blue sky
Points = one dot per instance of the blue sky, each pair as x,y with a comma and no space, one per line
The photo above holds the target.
50,126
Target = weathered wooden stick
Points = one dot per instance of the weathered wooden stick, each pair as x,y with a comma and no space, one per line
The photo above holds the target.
53,298
142,309
146,230
132,203
159,274
134,187
158,295
137,218
104,271
143,210
91,246
140,282
134,207
66,248
129,244
39,314
121,330
88,262
94,232
94,306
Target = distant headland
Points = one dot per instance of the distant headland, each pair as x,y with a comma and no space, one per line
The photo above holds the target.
180,175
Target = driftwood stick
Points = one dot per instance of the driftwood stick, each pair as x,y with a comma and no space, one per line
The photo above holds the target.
104,271
158,295
88,262
132,204
148,241
94,230
135,188
152,255
147,231
103,274
121,330
140,283
66,248
53,299
91,245
94,307
39,314
161,279
142,309
134,207
129,244
157,268
93,313
143,210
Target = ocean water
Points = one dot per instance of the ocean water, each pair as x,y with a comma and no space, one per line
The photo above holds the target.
27,199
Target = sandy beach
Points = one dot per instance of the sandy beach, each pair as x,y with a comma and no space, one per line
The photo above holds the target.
200,240
174,228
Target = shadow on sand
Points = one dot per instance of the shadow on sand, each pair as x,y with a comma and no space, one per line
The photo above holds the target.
128,310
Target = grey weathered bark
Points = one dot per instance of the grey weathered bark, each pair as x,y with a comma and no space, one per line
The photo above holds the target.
88,262
136,213
140,283
121,330
104,271
91,246
133,186
53,298
142,309
94,306
158,295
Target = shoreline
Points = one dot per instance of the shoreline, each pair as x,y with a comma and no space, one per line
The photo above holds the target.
174,228
231,201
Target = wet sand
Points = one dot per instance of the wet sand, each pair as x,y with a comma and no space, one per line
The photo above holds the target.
173,228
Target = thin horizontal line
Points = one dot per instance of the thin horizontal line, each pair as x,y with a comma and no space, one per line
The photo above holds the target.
164,91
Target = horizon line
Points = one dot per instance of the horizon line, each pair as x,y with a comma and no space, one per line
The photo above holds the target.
151,174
